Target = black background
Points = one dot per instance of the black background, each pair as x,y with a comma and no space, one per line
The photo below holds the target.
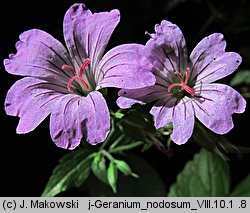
26,161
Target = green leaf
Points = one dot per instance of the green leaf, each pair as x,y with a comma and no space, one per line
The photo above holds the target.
124,168
242,189
73,170
112,176
206,175
99,167
241,77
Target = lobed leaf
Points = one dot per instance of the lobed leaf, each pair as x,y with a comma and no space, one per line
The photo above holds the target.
72,170
242,189
241,77
206,175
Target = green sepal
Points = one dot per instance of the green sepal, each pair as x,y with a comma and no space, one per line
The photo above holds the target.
99,168
124,168
112,176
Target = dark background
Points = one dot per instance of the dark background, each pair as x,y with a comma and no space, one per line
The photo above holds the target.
26,161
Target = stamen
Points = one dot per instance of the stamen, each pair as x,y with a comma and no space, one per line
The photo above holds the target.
71,81
179,75
64,67
188,89
173,85
85,83
183,83
84,65
79,75
187,75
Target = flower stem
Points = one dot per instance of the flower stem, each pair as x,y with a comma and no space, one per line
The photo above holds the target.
108,155
109,135
118,140
127,147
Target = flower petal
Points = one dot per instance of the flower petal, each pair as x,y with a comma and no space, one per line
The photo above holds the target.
180,113
163,111
210,62
125,103
167,49
143,95
29,101
75,117
215,106
125,67
87,35
39,55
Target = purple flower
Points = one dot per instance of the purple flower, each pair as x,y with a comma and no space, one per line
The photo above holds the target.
64,83
184,88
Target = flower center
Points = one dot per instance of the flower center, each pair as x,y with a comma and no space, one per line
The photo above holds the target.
78,75
183,83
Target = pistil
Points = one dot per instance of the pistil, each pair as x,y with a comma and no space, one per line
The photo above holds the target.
183,83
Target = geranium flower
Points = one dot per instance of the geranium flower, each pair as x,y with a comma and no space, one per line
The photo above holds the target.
184,88
65,82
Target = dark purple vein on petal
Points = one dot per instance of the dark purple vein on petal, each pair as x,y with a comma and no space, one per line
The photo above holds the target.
211,73
195,63
174,108
112,57
201,108
116,65
77,50
54,98
185,109
92,101
94,60
51,48
197,74
170,61
66,77
67,104
179,57
162,77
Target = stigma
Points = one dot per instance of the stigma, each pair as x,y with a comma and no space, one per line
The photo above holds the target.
183,83
78,75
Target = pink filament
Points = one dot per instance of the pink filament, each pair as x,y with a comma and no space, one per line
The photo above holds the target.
183,83
77,76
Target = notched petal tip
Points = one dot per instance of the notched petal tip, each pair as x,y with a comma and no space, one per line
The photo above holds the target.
238,58
7,63
218,36
115,13
78,6
239,102
76,10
